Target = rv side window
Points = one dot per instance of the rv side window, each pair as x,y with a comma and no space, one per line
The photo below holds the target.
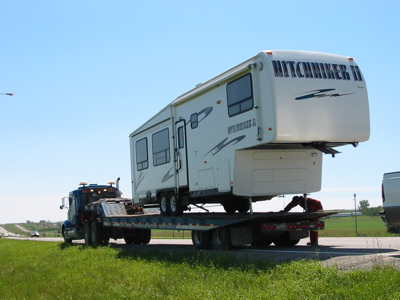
240,95
194,121
161,150
142,160
181,138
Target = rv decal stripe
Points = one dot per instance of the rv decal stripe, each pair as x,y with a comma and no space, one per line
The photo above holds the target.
225,143
321,94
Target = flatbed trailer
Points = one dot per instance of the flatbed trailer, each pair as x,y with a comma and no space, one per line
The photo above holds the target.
107,217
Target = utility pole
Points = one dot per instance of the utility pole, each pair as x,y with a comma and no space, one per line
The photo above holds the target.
355,211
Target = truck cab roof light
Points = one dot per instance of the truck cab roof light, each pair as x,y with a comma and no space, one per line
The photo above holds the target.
83,183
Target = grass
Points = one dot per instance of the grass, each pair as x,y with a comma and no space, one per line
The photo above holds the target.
346,227
41,270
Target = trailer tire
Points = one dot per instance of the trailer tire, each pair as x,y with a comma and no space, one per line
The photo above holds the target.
202,239
164,205
86,233
96,234
174,204
285,241
129,240
146,236
221,238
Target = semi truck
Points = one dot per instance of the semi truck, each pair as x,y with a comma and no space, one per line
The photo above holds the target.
391,198
97,213
253,132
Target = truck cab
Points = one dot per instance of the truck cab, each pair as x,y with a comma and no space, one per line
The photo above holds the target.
78,200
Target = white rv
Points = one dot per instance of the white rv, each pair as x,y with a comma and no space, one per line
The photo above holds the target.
253,132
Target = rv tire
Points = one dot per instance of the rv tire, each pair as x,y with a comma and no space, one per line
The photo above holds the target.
164,205
175,207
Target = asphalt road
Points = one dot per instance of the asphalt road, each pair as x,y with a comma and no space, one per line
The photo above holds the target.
345,253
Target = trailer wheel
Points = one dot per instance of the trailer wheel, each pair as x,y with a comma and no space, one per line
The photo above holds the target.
164,207
96,233
129,240
86,232
202,239
221,238
285,241
146,236
174,203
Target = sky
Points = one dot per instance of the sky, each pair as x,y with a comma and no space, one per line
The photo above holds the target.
85,74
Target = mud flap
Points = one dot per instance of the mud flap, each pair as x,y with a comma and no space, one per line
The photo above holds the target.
241,235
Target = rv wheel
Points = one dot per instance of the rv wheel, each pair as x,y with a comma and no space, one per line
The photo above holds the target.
175,206
230,208
164,207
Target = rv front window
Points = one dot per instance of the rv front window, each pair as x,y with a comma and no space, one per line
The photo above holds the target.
240,95
142,160
161,152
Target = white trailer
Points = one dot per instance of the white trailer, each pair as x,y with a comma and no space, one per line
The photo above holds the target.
253,132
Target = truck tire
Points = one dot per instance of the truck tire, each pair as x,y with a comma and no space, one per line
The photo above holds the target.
64,234
221,238
202,239
96,234
175,207
164,206
86,232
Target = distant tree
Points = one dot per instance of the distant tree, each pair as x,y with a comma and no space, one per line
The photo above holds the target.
362,205
373,211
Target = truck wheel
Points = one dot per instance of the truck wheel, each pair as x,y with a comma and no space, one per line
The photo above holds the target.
201,239
175,206
164,207
96,233
221,238
86,232
64,234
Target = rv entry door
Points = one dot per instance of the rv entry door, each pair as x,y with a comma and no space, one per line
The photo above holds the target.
181,154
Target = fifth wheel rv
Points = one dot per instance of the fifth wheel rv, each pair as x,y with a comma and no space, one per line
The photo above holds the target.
253,132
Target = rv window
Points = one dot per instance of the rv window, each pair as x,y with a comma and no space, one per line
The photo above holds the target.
161,152
240,95
181,138
142,161
194,121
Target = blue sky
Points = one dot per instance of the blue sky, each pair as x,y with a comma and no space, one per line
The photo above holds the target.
85,74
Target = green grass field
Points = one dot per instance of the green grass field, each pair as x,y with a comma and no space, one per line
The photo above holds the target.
48,270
